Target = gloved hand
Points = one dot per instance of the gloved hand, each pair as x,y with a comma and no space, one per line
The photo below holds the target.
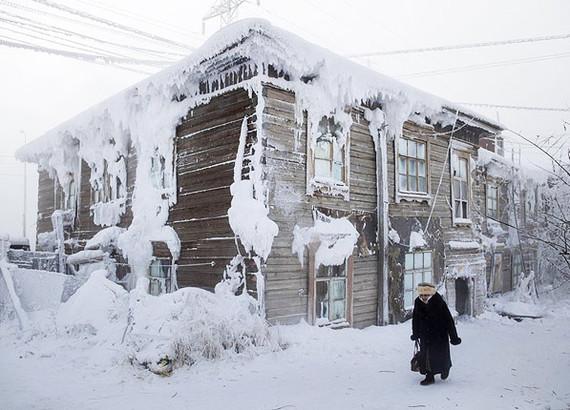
414,337
455,341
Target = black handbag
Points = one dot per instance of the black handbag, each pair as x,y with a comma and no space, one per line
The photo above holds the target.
416,359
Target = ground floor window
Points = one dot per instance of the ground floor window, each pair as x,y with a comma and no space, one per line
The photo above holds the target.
516,269
418,269
330,294
159,274
330,297
497,284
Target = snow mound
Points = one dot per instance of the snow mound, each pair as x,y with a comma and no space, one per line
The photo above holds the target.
190,325
99,307
516,309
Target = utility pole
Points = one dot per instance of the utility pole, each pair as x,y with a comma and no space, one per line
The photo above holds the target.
24,222
226,10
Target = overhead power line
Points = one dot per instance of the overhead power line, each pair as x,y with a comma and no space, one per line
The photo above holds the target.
463,46
145,19
35,25
473,67
110,23
73,20
518,107
91,58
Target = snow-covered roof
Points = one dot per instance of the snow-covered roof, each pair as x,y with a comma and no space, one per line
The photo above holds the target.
144,118
258,41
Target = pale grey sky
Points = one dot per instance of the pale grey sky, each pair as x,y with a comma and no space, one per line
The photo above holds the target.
39,90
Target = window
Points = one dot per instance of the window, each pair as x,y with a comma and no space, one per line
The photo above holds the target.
327,169
159,276
412,166
516,269
158,170
331,294
460,188
418,269
492,195
329,159
108,187
497,284
329,156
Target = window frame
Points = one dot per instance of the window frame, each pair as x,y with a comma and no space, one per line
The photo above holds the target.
516,262
109,187
410,193
314,279
466,156
490,187
412,272
162,283
328,185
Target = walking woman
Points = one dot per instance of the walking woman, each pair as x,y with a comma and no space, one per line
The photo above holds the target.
433,326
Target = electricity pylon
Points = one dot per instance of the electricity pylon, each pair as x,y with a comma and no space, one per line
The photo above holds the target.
226,10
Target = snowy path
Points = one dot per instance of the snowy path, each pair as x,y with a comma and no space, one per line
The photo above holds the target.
502,364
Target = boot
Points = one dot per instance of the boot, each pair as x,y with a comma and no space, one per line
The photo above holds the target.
445,374
428,380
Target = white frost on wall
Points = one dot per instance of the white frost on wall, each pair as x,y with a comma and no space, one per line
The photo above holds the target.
393,235
417,240
108,213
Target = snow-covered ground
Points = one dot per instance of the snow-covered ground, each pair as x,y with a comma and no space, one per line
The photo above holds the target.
501,364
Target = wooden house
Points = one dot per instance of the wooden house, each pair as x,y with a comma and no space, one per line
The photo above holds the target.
358,186
511,222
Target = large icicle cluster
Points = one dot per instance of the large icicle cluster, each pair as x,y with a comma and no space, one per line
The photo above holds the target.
334,239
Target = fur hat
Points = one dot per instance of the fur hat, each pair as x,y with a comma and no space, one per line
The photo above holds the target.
425,288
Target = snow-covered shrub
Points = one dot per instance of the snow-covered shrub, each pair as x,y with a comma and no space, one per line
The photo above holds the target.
192,324
99,307
526,289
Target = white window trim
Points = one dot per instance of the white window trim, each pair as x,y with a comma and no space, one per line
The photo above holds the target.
329,187
459,148
408,195
414,285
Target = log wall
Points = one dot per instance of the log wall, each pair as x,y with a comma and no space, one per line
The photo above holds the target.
286,164
206,145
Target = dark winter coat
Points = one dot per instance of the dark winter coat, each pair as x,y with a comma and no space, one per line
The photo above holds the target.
433,325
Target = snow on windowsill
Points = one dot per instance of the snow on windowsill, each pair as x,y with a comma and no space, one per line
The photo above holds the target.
413,196
329,187
462,221
108,213
463,245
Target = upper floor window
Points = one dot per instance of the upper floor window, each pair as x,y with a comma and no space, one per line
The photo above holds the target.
329,155
492,201
412,166
328,160
460,187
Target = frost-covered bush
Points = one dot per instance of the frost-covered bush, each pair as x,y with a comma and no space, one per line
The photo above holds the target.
191,325
99,307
